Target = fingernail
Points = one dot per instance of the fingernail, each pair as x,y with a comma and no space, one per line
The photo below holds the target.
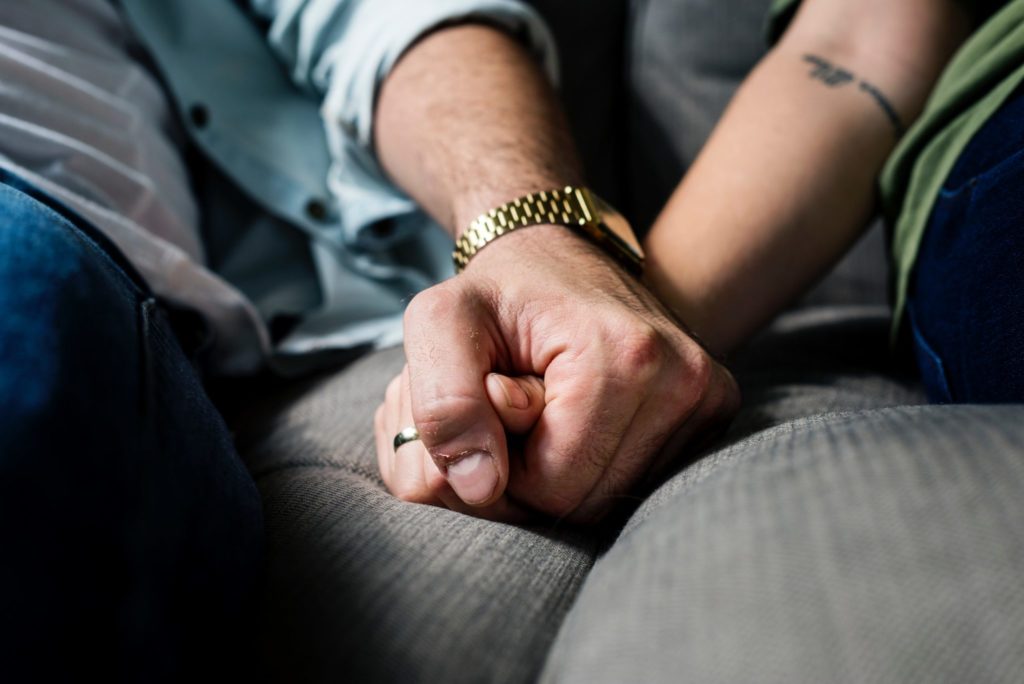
473,477
515,396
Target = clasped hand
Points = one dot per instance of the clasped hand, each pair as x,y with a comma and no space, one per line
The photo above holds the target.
543,379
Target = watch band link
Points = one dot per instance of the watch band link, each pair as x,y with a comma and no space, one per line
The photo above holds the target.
568,206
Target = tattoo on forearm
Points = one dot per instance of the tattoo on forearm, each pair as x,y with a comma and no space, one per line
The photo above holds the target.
886,106
836,77
827,73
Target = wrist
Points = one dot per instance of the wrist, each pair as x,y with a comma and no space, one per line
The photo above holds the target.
470,205
575,208
527,247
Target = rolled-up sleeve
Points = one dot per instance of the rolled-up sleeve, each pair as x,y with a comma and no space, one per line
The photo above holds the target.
342,50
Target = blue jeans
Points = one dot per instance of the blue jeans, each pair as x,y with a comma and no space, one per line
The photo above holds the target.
966,302
130,531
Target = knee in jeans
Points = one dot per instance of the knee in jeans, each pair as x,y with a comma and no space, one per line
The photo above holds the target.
60,296
40,251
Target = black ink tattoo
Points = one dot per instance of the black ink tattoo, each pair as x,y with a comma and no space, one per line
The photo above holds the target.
830,75
886,106
835,77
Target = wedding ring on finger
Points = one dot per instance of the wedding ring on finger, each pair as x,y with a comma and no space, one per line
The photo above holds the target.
409,434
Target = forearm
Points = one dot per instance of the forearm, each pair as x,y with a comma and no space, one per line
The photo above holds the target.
765,210
467,121
787,181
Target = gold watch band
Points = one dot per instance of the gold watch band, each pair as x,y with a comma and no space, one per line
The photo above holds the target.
568,206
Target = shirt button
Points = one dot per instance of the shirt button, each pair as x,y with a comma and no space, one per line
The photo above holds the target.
316,209
382,230
199,115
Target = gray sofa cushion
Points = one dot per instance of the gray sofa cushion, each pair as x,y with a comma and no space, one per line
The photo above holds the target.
362,584
869,546
363,587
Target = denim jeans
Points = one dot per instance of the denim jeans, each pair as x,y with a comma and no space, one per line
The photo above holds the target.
966,304
130,530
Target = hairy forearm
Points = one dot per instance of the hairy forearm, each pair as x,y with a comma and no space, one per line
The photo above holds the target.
785,184
467,122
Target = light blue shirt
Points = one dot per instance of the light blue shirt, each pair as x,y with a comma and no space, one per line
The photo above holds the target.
287,115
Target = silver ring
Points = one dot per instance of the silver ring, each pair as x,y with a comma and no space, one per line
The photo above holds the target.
409,434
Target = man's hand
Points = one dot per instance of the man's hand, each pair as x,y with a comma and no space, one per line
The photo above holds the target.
409,471
465,122
620,379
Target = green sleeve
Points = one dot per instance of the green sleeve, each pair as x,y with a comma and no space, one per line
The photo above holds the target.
779,16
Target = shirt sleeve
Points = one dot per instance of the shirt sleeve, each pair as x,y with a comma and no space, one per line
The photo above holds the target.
342,50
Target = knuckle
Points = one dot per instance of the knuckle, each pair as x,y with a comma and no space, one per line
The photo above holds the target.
690,382
440,418
641,352
432,305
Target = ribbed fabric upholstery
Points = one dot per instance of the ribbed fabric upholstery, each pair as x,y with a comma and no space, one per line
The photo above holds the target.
872,546
363,587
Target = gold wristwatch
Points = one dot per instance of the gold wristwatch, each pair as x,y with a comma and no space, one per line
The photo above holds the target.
577,208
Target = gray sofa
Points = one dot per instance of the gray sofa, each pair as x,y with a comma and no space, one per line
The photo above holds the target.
840,531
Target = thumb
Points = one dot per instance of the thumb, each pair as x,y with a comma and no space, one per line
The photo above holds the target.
519,401
450,355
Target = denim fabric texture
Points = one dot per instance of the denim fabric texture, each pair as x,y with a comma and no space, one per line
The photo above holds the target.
131,532
966,304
